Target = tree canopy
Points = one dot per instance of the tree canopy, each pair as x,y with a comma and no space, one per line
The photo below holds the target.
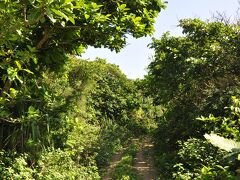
38,35
66,25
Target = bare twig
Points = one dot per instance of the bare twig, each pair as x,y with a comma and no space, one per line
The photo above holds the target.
69,27
10,120
222,17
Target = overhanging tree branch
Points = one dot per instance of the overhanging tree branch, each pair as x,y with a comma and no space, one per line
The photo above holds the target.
46,35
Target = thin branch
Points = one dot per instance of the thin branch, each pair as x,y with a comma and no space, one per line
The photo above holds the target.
222,17
10,120
27,22
69,27
46,35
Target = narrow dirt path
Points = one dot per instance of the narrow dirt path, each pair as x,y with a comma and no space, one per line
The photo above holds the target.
114,162
144,162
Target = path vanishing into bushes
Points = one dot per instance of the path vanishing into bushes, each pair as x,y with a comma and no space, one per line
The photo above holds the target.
143,162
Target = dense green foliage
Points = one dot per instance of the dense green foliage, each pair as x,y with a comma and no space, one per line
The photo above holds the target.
37,36
191,76
79,118
41,33
61,117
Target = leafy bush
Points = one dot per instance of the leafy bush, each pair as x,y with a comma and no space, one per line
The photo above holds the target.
197,158
15,166
216,159
52,164
57,164
112,138
144,118
196,152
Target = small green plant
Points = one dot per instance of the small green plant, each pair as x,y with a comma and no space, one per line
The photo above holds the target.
199,158
112,138
125,170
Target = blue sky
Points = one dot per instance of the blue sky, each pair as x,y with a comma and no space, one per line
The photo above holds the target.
135,57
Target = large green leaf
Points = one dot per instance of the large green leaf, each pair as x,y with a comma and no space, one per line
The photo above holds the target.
60,13
223,143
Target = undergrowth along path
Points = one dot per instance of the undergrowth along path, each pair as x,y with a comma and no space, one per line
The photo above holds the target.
116,159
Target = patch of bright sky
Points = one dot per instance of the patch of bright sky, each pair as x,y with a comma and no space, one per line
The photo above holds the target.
135,57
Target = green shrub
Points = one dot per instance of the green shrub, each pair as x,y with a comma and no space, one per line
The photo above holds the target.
15,166
112,138
165,163
57,164
52,164
199,159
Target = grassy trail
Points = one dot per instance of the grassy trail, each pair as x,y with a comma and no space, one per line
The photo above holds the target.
144,162
133,163
116,159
